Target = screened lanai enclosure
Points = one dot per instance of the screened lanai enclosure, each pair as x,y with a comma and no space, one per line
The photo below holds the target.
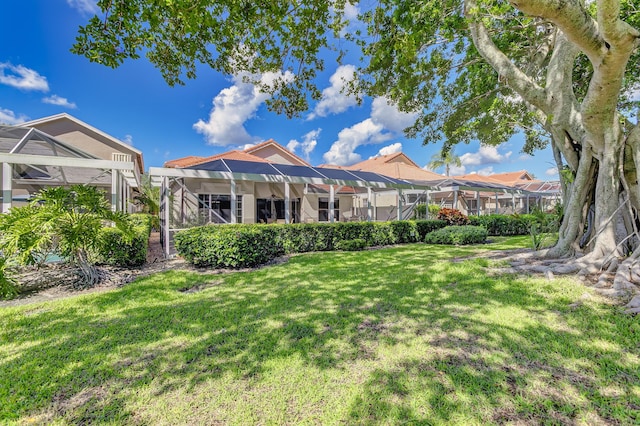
225,191
32,160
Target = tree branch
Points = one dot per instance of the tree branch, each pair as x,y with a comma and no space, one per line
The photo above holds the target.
613,29
571,17
506,69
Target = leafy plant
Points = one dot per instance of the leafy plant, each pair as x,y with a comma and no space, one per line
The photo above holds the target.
117,248
453,217
433,209
8,287
67,221
420,211
148,198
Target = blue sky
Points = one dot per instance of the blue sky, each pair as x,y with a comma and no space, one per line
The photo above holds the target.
39,77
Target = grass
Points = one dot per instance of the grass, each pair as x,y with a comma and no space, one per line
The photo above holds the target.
393,336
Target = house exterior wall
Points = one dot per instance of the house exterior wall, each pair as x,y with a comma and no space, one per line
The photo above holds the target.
71,133
185,203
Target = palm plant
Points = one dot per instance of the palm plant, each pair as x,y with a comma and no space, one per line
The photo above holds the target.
444,159
65,221
148,198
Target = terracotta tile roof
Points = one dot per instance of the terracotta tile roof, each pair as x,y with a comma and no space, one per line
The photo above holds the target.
513,177
478,178
229,155
182,162
256,148
397,166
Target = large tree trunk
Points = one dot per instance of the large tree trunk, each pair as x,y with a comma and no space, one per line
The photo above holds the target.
603,198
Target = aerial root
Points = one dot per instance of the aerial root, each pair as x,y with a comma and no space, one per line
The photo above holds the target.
620,279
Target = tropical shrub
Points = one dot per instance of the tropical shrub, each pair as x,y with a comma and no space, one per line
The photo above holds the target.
458,235
8,287
67,221
433,210
453,216
420,212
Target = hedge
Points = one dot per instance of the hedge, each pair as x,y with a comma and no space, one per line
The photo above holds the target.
504,225
229,246
113,248
458,235
351,245
239,246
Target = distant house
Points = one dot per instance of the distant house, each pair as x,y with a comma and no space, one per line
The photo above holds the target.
62,150
263,184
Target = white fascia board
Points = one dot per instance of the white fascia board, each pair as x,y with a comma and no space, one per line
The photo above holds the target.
47,160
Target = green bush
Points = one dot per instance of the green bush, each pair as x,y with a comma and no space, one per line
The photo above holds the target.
229,246
420,212
423,227
8,288
504,225
433,210
356,244
405,231
239,246
116,249
458,235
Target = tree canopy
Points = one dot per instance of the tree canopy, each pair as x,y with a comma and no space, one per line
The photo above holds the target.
563,72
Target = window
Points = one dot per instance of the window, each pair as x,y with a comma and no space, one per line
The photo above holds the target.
216,208
269,210
323,209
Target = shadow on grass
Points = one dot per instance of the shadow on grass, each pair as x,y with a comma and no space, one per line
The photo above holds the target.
437,341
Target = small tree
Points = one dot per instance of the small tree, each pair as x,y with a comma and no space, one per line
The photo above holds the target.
66,221
148,198
444,158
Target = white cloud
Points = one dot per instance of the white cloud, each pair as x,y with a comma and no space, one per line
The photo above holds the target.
389,149
472,160
486,171
386,114
334,101
351,11
60,101
9,117
525,157
385,122
22,77
485,155
366,132
128,139
232,107
246,146
456,171
308,144
88,7
551,171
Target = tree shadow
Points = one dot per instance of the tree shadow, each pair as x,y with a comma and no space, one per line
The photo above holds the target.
81,359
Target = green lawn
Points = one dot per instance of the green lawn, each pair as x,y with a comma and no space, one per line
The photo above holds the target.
397,335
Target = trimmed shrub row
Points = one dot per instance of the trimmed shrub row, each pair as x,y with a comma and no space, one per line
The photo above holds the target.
504,225
458,235
239,246
115,250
